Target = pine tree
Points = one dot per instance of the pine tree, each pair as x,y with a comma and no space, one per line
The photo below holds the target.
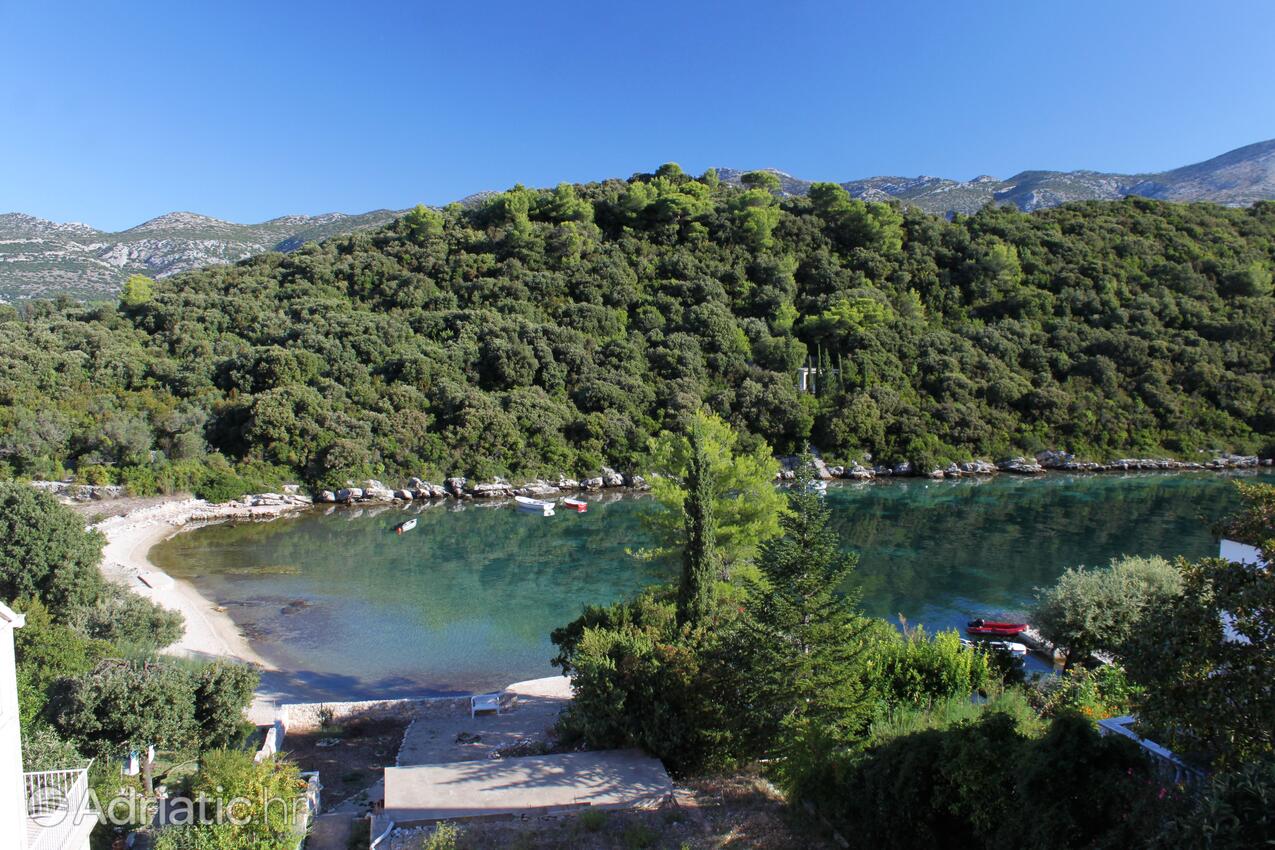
699,558
805,631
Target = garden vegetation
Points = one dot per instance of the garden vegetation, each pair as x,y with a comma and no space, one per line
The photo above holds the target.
91,681
906,739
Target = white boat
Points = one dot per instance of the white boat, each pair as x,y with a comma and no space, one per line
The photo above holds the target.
817,485
405,526
1012,647
577,505
534,506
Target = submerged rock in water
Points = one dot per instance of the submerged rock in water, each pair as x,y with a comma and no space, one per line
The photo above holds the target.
296,606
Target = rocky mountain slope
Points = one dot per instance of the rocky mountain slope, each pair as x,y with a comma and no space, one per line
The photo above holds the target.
40,258
1238,178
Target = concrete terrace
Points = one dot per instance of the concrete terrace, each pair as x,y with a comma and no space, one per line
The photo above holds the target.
531,710
612,778
454,766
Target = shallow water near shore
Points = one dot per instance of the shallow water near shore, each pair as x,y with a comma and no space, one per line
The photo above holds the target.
466,601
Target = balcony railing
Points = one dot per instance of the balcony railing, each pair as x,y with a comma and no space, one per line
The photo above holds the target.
57,807
1168,765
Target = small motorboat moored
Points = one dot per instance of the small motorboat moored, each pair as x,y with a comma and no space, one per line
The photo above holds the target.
405,526
995,627
577,505
534,506
1018,650
816,485
1014,648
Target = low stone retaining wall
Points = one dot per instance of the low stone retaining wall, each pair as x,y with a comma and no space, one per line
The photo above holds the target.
309,716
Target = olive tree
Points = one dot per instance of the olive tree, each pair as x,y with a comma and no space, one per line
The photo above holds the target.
1098,610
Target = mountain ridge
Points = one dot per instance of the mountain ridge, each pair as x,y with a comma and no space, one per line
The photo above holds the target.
1236,178
41,258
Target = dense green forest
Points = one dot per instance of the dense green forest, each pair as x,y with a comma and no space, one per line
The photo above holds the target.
547,331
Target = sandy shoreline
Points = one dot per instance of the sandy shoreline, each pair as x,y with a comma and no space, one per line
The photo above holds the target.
210,632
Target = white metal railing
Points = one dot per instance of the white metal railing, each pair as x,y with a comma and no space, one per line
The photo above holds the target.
1168,764
57,806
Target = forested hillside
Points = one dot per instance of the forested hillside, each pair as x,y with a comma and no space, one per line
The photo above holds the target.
554,331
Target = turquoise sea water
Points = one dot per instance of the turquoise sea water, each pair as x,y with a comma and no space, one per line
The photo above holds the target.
466,601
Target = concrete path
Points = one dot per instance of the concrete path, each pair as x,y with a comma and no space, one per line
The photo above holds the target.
611,778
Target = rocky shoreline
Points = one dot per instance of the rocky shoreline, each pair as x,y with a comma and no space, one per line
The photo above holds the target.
463,489
1047,461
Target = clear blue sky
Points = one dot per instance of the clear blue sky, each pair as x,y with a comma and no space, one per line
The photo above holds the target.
112,113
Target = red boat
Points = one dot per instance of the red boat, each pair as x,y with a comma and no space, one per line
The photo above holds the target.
993,627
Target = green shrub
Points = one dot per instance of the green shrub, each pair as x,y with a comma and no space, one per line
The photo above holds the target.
44,749
226,775
974,783
950,713
638,836
46,652
140,480
650,689
918,670
443,837
45,552
94,474
593,819
1104,691
171,703
1236,811
222,486
129,621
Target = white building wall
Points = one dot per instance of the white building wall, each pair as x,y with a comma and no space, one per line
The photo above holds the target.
1240,553
13,805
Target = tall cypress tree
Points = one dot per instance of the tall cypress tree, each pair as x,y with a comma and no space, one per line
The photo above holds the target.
699,558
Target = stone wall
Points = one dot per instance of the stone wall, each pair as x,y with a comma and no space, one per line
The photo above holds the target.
309,716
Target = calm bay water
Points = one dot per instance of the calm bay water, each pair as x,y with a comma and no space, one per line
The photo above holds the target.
467,600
